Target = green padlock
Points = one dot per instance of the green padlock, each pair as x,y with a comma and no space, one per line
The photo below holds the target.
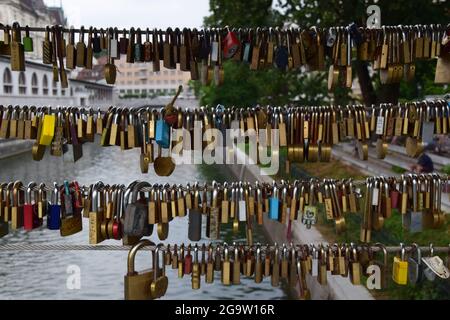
27,41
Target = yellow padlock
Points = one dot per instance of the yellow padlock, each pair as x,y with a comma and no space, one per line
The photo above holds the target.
400,268
48,130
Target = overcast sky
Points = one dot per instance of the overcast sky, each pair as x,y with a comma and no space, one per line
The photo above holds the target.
134,13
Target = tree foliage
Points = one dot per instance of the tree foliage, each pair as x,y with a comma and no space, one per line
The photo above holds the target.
245,88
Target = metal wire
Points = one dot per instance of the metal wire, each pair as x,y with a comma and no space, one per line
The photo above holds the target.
71,247
150,31
237,110
219,186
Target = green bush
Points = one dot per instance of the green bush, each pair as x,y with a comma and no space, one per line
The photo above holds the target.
446,169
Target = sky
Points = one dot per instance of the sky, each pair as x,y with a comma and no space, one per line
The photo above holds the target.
134,13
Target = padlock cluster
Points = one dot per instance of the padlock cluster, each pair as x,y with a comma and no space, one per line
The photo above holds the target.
392,50
308,133
130,213
288,263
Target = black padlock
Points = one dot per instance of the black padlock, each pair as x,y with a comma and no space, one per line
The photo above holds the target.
281,57
195,225
96,47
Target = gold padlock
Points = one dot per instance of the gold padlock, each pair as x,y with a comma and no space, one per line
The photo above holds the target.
138,284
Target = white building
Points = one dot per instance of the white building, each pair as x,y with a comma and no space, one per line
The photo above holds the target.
35,86
31,13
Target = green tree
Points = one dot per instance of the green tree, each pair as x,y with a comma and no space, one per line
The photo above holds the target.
244,87
329,13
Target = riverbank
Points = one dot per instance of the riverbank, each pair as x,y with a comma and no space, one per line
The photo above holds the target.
10,148
337,288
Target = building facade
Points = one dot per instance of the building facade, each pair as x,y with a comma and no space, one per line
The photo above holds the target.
31,13
139,79
35,86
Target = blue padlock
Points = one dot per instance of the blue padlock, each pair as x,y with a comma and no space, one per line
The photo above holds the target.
274,204
247,56
54,210
162,134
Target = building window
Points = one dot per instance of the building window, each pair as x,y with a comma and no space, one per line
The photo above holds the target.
34,84
63,92
55,88
129,91
136,90
122,91
172,81
166,81
45,85
22,83
165,72
7,81
71,92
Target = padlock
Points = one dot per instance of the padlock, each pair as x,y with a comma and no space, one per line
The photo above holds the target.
27,40
226,266
195,218
230,45
54,210
48,130
274,204
415,269
160,282
136,212
17,206
30,209
400,268
138,284
95,217
71,218
162,134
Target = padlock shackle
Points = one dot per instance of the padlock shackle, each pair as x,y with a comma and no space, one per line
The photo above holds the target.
30,187
132,254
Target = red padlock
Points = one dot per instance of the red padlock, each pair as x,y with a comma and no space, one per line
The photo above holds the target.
117,225
77,198
230,45
395,195
30,211
188,262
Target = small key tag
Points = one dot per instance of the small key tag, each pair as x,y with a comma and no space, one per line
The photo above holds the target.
309,216
416,222
380,125
375,195
315,267
242,210
427,132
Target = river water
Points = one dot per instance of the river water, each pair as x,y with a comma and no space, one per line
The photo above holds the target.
44,274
